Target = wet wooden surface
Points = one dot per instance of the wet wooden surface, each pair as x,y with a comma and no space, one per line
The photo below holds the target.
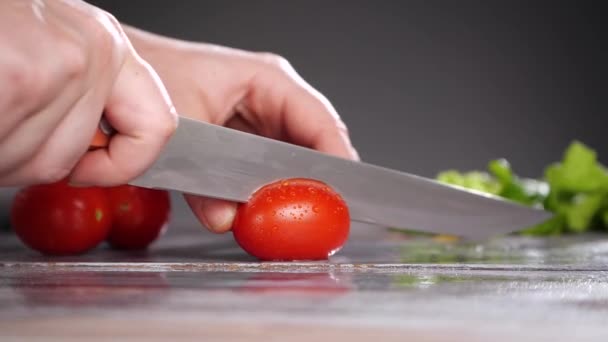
197,286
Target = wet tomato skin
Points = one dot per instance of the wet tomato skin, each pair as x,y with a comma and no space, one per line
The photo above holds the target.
139,216
292,219
58,219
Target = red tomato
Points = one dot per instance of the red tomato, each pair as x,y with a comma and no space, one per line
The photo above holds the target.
139,216
59,219
293,219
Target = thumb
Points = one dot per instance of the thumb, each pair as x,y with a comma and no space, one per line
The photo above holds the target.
216,215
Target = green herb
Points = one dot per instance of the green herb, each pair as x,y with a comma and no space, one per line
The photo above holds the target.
575,189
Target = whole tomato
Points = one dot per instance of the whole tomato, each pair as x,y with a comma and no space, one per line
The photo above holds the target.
139,216
58,219
292,219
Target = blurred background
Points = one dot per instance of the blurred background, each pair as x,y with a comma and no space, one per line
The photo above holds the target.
426,85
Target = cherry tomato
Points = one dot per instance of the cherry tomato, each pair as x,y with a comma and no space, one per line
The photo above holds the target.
139,216
58,219
292,219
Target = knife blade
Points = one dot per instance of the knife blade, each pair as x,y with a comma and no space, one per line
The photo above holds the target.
218,162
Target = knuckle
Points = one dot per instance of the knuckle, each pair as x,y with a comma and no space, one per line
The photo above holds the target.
165,128
336,126
275,61
74,61
104,32
27,82
339,124
101,38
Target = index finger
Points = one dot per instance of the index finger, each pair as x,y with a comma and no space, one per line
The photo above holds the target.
142,114
305,117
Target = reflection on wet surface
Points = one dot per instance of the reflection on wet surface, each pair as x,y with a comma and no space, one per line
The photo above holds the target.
587,251
507,289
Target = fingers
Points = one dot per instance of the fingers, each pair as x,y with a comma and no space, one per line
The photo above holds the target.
140,110
31,152
142,114
216,215
39,162
303,116
37,95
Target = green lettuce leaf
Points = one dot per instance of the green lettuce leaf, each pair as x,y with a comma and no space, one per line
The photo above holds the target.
579,171
553,226
579,187
581,212
575,189
525,191
474,180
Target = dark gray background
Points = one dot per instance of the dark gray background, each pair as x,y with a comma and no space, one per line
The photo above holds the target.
426,85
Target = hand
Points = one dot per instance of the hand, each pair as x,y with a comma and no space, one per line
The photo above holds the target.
255,92
63,63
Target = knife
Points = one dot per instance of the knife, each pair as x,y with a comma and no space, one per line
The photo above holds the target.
218,162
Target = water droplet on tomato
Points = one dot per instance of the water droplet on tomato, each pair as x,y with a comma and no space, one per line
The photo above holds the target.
269,199
315,209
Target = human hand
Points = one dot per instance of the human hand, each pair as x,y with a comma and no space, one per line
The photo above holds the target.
63,63
254,92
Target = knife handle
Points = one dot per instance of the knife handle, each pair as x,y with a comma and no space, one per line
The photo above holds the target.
102,135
